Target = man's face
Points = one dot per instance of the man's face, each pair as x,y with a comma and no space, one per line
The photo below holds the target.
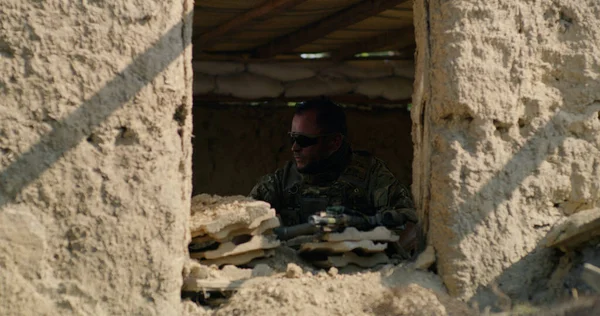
306,124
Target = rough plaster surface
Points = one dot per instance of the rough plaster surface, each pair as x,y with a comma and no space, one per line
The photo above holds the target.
235,145
95,156
507,135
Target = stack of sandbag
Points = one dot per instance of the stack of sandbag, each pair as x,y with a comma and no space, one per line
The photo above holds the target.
231,230
351,246
392,80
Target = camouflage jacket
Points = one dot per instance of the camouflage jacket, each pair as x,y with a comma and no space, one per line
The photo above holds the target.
363,183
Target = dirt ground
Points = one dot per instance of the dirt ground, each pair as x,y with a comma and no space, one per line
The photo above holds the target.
286,285
391,290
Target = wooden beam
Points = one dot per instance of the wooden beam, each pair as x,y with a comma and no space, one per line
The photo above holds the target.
269,7
357,99
314,31
397,38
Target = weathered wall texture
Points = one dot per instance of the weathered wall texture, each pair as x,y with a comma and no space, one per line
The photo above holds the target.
235,145
94,156
507,133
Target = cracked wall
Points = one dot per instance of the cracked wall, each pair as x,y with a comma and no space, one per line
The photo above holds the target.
95,156
506,131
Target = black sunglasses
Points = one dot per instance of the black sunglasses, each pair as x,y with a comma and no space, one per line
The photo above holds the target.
305,140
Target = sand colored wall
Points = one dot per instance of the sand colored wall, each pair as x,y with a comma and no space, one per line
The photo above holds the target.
507,134
95,156
235,145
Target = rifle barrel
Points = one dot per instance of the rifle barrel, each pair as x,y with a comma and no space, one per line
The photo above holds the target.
289,232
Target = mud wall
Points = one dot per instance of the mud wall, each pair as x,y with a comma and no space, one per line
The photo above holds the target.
235,145
506,129
95,156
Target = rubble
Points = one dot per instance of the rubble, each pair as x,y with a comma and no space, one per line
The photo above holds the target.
318,271
218,216
350,247
293,271
362,293
232,248
233,233
201,278
425,259
231,230
333,271
263,228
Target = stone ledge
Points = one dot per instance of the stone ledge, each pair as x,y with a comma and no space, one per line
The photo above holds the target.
230,248
577,229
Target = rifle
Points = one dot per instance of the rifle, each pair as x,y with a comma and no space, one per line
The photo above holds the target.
336,218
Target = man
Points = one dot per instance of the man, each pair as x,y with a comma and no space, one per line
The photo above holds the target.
327,172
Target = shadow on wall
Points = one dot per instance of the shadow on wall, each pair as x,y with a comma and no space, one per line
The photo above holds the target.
542,271
556,287
534,277
235,145
78,126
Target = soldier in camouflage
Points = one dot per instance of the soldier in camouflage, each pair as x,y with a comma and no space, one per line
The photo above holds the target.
327,172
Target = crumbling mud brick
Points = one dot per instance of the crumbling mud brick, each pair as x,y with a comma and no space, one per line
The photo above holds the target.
262,228
230,249
219,216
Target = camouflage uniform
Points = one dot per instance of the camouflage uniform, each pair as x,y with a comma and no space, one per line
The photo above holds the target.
362,183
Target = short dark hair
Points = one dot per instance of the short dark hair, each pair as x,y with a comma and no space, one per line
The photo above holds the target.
330,116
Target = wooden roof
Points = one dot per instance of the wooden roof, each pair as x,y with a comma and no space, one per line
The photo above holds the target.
284,29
